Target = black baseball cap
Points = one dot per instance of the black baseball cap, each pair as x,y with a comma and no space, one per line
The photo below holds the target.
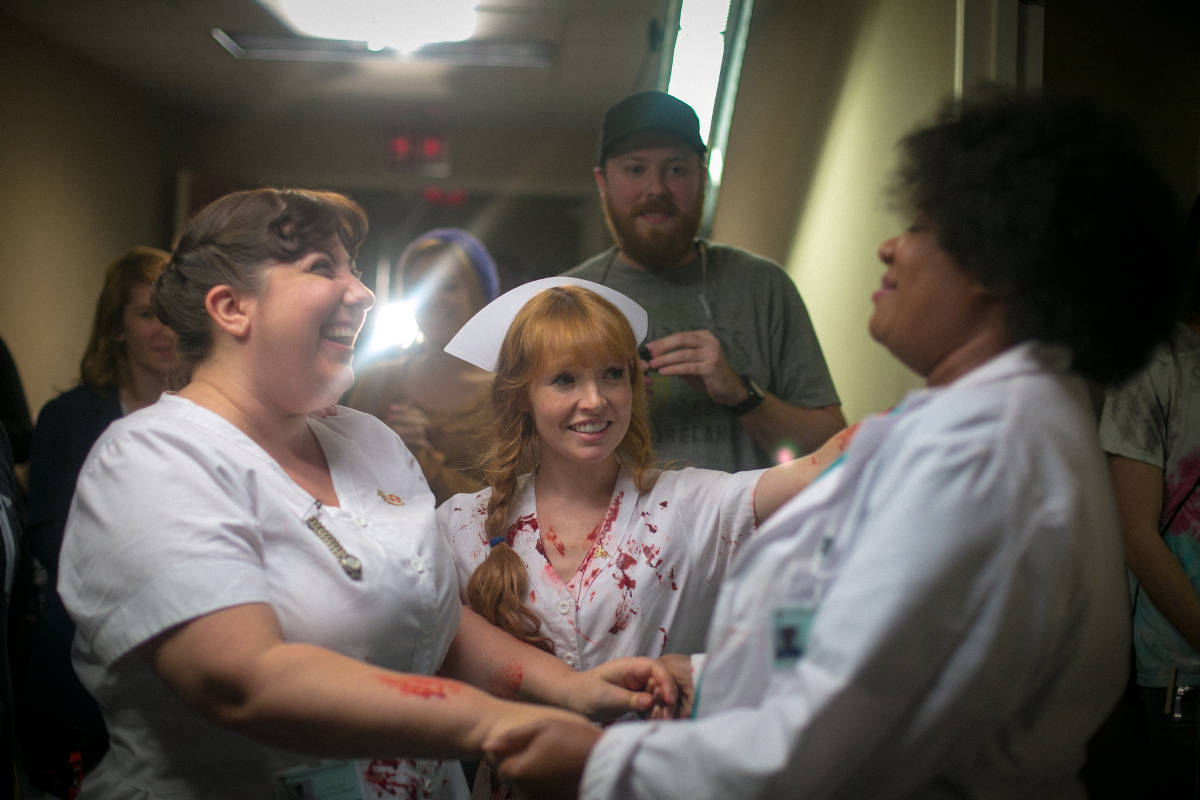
650,111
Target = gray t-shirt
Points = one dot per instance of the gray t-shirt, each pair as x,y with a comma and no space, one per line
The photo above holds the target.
753,308
1154,418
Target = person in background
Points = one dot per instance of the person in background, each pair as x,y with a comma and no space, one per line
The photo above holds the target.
14,408
433,400
129,358
261,595
737,372
1150,428
10,538
954,586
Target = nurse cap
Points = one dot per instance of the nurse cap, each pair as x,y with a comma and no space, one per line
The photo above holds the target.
478,342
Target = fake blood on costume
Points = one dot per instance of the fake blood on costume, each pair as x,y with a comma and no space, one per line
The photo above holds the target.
650,576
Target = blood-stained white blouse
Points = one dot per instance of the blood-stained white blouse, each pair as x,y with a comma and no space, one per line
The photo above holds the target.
647,586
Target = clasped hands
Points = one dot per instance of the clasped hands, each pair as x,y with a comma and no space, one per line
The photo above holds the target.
544,758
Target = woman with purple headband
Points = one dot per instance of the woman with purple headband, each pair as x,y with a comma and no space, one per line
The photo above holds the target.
431,399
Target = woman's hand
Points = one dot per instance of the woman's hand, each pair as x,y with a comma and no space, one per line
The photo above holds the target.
410,424
497,717
543,759
680,668
617,687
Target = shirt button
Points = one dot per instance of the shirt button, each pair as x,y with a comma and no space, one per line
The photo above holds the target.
564,607
570,659
360,521
427,784
418,565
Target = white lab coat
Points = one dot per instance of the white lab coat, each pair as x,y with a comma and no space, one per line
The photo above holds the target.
969,624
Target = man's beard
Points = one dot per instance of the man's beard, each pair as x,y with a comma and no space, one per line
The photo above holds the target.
661,248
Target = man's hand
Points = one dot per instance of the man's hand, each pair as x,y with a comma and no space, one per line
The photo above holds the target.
543,759
697,357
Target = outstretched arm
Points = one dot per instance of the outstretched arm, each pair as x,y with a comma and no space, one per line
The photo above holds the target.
488,657
233,667
779,484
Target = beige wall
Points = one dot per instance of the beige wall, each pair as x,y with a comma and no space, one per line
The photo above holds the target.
826,91
85,176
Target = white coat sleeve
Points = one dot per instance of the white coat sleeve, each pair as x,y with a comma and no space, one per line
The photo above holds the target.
937,587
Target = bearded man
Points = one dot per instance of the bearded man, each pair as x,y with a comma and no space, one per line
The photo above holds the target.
737,377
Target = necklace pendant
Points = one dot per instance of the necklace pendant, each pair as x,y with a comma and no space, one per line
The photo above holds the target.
352,566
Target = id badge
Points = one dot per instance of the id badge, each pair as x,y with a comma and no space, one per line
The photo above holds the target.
790,626
335,780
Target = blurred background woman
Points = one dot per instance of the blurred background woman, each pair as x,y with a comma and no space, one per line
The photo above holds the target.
258,590
129,358
435,402
1150,428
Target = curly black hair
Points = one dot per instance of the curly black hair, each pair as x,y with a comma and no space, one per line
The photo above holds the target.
1048,201
1191,255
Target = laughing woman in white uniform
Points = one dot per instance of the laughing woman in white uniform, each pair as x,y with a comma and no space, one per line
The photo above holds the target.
943,612
257,590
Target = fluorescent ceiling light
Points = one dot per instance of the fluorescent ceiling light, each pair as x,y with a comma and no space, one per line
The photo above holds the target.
401,26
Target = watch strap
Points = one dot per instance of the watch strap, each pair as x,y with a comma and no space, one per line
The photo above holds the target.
754,397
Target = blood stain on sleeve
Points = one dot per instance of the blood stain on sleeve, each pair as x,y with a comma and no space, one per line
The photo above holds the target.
418,685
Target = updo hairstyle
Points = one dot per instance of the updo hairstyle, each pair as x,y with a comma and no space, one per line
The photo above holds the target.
231,240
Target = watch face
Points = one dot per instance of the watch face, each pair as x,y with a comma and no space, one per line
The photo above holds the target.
754,396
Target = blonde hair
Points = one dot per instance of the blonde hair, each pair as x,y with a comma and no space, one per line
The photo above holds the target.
565,322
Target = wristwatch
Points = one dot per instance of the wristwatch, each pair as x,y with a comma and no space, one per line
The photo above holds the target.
753,399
